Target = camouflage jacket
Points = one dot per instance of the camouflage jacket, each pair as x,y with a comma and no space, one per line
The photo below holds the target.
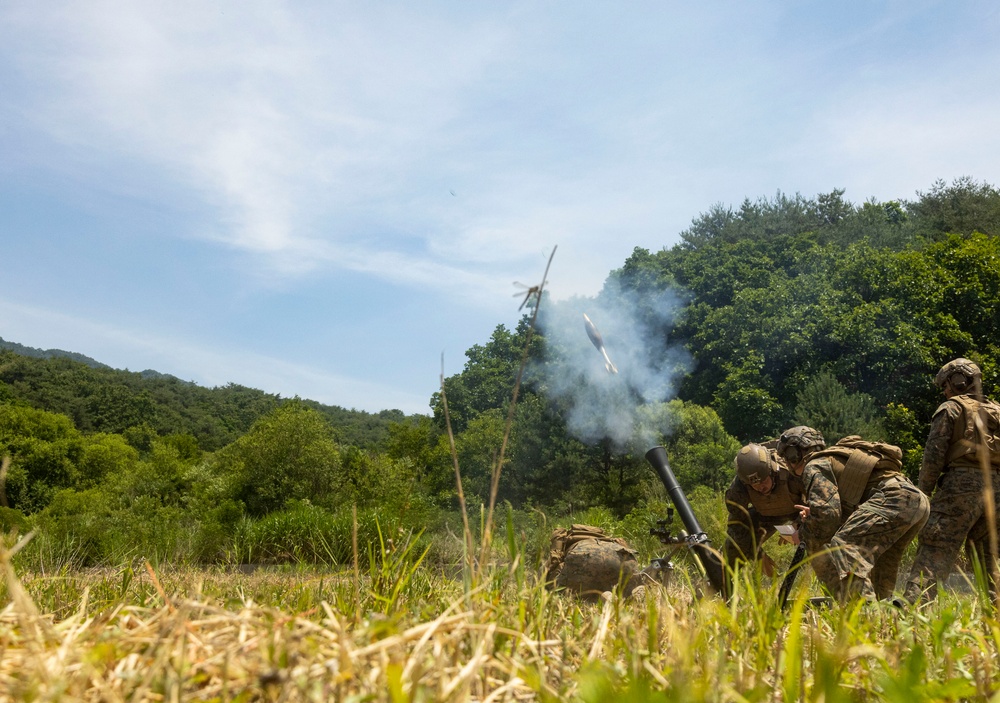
823,500
775,508
946,429
938,442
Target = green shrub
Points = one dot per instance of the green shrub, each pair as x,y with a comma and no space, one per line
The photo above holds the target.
216,534
12,520
88,528
307,533
290,454
74,529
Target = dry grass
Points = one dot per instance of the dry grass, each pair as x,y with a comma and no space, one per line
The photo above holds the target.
194,649
142,640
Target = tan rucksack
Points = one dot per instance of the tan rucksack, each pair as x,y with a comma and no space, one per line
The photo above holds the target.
586,560
858,459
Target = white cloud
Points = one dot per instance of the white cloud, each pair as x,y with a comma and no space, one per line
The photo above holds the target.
275,121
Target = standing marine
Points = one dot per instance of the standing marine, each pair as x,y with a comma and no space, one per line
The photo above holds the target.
763,494
860,511
964,436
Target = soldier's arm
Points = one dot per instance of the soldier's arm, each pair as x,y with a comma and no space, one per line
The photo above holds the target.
738,502
741,542
936,449
823,502
796,487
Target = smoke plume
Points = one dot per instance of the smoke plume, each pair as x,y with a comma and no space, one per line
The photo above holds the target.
625,408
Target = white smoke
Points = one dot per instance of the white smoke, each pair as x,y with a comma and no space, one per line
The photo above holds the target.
625,408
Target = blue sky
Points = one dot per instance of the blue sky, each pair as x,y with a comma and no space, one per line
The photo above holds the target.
322,199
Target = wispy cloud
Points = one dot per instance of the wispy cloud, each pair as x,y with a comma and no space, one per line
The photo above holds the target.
274,120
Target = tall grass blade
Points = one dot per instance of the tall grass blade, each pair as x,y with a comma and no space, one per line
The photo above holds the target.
793,653
469,550
498,464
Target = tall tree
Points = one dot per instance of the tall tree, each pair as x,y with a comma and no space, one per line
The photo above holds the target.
824,403
289,454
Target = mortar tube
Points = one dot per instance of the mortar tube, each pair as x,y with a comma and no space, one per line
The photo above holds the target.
715,570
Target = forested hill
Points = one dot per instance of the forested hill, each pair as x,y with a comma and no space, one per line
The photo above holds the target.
99,398
794,310
796,302
50,354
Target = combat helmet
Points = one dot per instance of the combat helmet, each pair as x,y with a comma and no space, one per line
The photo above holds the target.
753,464
961,374
799,441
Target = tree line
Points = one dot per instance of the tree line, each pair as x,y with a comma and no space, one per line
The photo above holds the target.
98,398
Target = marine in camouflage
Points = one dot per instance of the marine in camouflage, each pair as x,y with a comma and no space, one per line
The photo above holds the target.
747,527
757,501
954,478
938,443
823,501
868,547
956,518
857,552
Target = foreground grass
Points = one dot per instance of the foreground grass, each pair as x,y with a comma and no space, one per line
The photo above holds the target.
400,631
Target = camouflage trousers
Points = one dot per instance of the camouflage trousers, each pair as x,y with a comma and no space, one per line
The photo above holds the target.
862,559
957,518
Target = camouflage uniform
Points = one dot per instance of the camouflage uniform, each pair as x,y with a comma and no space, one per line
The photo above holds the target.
858,549
748,527
820,487
957,507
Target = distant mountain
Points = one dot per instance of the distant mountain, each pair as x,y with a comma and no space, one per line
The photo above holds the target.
52,354
150,373
74,356
100,398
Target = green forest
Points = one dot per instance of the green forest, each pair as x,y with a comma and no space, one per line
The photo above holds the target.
786,310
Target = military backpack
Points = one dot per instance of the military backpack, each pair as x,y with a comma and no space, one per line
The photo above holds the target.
856,460
586,560
978,430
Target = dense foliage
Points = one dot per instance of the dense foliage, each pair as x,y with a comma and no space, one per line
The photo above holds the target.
112,463
783,293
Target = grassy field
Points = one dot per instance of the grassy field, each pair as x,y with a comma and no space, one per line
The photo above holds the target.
401,629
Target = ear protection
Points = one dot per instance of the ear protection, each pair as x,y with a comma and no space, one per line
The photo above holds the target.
793,455
959,382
